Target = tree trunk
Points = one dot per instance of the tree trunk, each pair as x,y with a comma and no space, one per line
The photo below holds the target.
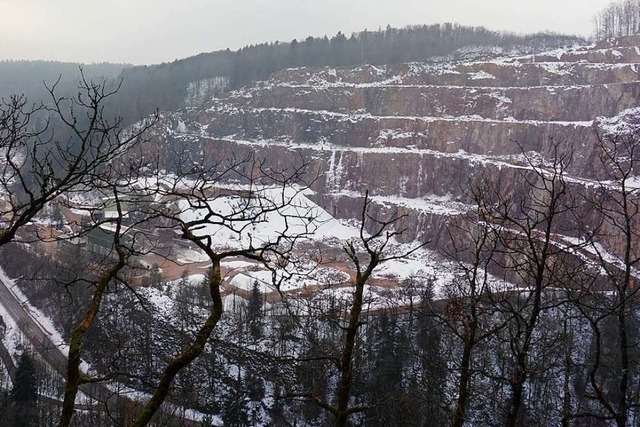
77,339
190,353
346,368
460,413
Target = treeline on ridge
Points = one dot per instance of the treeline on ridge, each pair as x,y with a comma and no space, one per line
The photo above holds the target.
165,86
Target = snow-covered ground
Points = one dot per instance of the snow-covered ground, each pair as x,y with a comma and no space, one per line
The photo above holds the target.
238,222
188,256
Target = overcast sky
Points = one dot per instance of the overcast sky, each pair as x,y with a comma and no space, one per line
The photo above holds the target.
152,31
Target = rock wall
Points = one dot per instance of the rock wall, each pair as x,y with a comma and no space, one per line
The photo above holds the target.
417,136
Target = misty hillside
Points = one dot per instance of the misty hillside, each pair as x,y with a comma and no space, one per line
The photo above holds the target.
29,77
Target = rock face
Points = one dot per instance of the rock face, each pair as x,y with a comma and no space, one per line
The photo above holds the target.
417,136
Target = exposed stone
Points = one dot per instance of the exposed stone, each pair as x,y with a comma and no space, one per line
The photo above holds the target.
419,132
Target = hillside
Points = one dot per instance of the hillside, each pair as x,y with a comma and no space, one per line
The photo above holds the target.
29,77
416,135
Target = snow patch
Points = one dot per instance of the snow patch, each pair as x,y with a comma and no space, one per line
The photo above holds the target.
625,123
481,75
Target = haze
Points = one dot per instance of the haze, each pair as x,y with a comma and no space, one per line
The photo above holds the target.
145,31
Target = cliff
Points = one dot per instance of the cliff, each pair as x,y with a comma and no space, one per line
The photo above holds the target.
417,135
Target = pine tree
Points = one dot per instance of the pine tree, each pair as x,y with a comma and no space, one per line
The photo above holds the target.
434,366
25,385
234,411
24,393
254,311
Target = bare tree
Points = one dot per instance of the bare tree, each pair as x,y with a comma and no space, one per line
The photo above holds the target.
620,18
369,251
611,308
513,234
205,208
49,151
538,265
40,161
115,267
470,299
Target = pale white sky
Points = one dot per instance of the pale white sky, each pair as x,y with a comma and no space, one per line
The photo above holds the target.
146,31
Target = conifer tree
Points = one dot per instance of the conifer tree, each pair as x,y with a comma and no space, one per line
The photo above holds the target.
254,311
24,393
